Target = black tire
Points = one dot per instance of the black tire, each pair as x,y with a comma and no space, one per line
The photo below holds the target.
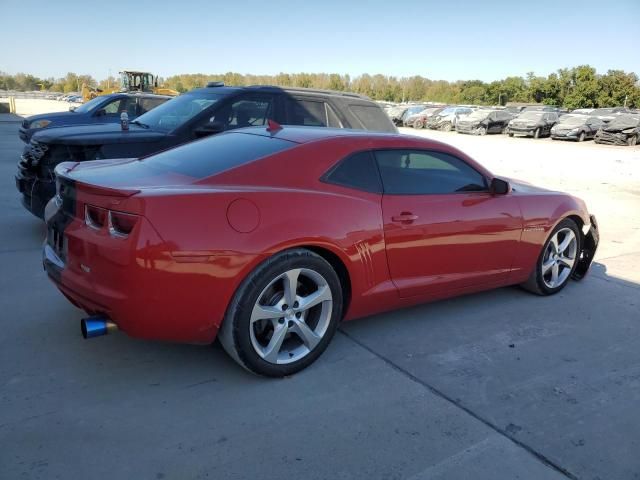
418,124
536,133
632,141
535,283
581,137
482,131
234,334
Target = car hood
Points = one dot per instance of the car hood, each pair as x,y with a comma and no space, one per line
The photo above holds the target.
53,117
525,187
97,134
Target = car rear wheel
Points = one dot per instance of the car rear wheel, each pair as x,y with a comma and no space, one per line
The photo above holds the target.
581,137
536,133
632,141
557,261
284,314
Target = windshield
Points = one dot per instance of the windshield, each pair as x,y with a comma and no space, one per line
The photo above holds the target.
448,111
174,113
90,105
573,120
531,115
412,110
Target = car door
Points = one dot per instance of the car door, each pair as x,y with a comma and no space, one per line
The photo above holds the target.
549,121
443,229
593,124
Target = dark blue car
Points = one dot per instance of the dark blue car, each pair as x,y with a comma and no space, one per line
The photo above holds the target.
102,109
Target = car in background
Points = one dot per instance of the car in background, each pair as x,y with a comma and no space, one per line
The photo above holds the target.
410,112
576,127
483,121
582,111
622,130
447,119
540,108
608,114
396,113
533,123
102,109
192,115
420,119
294,230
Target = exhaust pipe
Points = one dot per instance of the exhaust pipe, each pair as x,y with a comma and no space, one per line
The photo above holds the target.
96,326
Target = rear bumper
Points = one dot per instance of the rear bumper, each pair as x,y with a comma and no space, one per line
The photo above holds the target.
590,243
137,282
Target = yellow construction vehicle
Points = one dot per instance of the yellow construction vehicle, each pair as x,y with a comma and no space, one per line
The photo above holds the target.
130,81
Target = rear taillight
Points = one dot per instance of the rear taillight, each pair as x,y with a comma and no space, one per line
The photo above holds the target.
121,224
95,217
118,224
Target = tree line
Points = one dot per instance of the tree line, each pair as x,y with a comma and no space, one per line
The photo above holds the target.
576,87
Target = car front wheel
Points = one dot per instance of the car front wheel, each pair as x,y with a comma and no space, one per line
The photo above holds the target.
557,261
284,314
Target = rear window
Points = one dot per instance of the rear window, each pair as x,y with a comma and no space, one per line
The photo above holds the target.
216,154
372,118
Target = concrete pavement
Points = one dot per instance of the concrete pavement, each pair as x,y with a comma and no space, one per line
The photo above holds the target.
498,385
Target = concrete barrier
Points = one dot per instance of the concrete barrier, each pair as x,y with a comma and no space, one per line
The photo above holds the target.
34,106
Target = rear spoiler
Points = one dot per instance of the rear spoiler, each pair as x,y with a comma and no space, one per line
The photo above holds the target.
63,169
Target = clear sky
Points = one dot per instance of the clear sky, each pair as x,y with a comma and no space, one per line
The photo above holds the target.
450,40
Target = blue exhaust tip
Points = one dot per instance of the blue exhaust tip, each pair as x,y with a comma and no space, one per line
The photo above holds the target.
96,326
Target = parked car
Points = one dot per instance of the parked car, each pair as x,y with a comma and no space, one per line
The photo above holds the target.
447,119
419,120
481,122
541,108
533,123
622,130
198,113
583,111
356,238
409,112
102,109
576,127
608,114
396,114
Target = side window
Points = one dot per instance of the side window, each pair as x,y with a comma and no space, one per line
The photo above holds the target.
357,171
247,111
418,172
115,107
311,113
332,118
371,117
149,103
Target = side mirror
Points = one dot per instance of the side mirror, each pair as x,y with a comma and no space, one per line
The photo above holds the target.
499,187
101,113
210,128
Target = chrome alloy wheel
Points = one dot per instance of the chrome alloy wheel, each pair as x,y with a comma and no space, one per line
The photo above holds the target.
291,316
559,258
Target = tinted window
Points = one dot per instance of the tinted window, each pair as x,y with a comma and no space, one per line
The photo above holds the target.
416,172
306,112
147,104
371,117
248,111
357,171
215,154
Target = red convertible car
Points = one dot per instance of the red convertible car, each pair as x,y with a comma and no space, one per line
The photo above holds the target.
268,238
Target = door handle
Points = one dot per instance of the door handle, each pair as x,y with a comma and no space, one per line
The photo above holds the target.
404,217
